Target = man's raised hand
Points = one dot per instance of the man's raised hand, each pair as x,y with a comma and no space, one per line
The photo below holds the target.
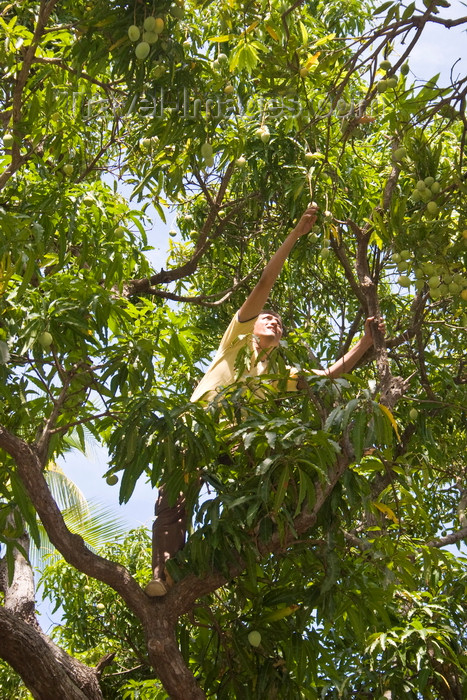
307,221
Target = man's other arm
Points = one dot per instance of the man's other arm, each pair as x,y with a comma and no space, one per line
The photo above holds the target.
349,360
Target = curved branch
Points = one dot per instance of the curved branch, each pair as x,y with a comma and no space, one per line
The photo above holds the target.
449,539
203,299
391,182
142,286
156,616
71,546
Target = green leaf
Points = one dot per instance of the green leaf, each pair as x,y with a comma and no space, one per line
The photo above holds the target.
281,489
408,12
221,39
25,506
359,433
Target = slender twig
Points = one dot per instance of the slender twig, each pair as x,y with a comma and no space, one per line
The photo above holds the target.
204,299
58,62
43,441
83,421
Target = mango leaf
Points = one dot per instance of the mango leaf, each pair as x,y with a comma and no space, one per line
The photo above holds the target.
387,511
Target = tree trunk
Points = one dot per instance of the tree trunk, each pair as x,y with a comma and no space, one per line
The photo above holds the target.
48,672
20,591
165,656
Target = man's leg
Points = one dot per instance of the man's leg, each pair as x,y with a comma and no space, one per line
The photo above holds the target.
168,537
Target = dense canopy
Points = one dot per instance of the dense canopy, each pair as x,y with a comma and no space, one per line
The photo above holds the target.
320,562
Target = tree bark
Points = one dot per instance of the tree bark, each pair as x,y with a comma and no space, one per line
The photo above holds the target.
166,657
71,546
27,649
156,616
47,671
20,591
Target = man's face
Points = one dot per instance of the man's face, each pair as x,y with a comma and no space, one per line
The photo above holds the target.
268,329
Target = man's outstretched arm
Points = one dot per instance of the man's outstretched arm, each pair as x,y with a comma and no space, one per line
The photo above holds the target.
350,359
258,297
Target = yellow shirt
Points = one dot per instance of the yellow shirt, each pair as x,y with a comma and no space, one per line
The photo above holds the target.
222,371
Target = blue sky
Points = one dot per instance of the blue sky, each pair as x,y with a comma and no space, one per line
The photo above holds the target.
440,47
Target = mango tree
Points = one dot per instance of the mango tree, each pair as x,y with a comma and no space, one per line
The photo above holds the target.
317,565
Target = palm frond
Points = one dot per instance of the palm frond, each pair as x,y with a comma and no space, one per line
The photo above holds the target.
81,439
98,526
64,490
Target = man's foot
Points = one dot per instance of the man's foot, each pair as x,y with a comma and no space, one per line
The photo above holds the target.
156,588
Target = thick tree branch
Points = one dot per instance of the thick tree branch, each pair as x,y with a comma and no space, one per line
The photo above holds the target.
453,538
346,265
38,660
204,241
422,366
183,595
71,546
153,614
448,23
20,592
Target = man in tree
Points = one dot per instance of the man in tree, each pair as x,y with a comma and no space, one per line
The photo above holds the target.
261,330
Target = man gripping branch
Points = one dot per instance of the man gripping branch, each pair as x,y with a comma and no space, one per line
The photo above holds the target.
261,330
